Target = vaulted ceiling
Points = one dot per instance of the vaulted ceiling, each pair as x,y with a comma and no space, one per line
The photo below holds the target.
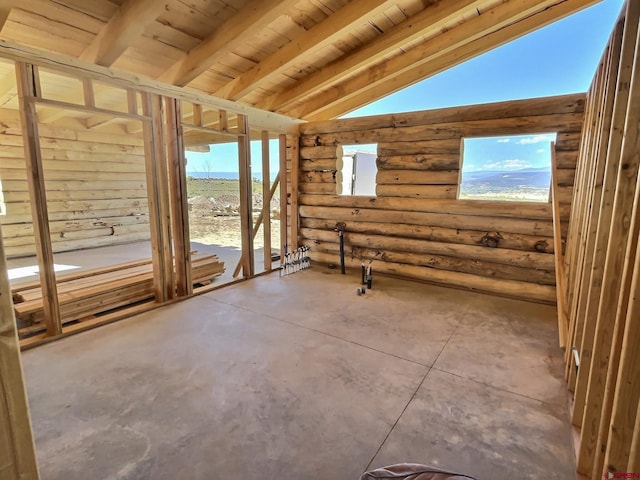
310,59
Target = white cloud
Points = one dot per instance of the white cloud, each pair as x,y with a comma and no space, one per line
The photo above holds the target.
541,150
536,139
504,140
509,164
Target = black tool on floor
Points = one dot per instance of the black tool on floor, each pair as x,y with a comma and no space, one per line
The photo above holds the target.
340,228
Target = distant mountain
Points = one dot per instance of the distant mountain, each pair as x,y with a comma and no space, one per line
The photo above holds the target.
525,178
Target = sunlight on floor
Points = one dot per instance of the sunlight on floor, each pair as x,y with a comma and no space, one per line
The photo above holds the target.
22,272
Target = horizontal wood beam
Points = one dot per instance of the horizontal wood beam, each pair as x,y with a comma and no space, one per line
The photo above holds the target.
258,119
530,107
485,32
311,41
232,33
126,25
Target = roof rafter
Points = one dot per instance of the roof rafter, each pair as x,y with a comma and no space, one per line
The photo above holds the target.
127,24
432,58
231,34
432,18
309,42
5,9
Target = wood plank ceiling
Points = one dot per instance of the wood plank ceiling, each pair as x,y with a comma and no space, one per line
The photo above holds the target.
309,59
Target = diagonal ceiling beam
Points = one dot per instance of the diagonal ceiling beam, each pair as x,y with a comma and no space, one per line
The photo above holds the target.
5,8
481,34
309,42
432,18
232,33
127,24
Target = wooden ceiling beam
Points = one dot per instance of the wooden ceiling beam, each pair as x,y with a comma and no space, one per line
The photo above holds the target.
256,15
308,43
432,18
5,9
127,24
479,35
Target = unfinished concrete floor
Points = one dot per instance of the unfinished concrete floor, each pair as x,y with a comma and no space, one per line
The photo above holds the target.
299,378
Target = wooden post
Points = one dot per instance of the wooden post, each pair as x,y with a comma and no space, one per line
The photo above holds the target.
28,89
223,120
197,115
266,201
178,194
246,196
294,142
132,101
557,248
87,90
158,211
283,196
17,451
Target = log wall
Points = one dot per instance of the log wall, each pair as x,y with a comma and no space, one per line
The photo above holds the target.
415,226
95,182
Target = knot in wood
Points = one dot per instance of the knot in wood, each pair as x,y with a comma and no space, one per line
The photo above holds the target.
491,240
541,246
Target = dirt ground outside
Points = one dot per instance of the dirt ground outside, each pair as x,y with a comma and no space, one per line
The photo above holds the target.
214,212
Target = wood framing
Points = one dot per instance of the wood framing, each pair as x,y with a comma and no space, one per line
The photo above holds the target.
17,450
178,193
246,198
266,201
156,169
563,326
280,55
282,177
602,259
259,119
28,85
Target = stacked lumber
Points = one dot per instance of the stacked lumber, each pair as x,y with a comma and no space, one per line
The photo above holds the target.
100,290
415,226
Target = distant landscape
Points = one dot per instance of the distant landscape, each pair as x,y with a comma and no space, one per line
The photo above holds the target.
214,210
530,184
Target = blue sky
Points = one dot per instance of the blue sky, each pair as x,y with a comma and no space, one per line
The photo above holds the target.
558,59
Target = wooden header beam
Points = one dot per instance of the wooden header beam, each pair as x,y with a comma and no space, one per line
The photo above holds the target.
258,119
